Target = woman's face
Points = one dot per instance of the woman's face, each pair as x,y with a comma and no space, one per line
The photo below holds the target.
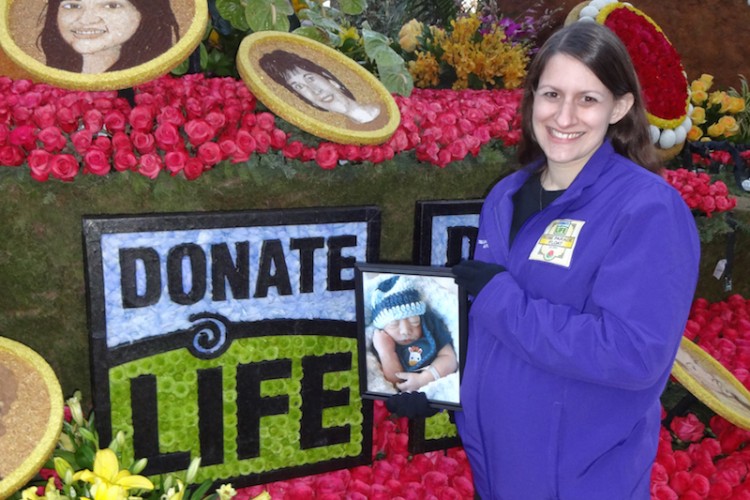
319,90
572,112
91,26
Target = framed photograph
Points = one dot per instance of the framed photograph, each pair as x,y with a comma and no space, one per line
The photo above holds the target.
317,88
94,45
714,385
411,323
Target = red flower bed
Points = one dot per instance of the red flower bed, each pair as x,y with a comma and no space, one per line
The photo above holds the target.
189,125
699,193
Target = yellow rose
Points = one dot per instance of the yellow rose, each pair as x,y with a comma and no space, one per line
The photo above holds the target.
407,36
698,97
694,134
736,105
716,97
716,130
707,79
698,116
730,125
698,85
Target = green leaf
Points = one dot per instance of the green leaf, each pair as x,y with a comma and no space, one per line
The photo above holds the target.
396,79
203,56
234,12
313,33
268,15
378,48
353,7
182,68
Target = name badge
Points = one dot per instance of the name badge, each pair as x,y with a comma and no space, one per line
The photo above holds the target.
557,243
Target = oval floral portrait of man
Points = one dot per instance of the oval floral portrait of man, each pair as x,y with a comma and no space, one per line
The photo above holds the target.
100,44
317,88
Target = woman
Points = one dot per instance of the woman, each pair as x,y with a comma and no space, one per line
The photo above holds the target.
315,85
585,267
95,36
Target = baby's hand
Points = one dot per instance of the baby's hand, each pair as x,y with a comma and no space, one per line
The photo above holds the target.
413,381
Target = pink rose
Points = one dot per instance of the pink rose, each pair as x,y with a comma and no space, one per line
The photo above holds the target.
21,114
39,165
52,139
143,142
245,141
124,159
11,156
293,149
115,121
216,120
193,169
262,139
121,140
44,116
64,167
172,115
278,138
458,149
93,120
150,165
265,121
209,153
688,428
66,120
175,161
103,143
141,118
198,131
327,156
82,140
228,147
167,136
96,162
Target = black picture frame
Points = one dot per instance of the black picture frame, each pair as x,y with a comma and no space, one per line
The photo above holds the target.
444,300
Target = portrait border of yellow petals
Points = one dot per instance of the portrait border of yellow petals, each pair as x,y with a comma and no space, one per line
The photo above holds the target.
31,464
277,99
109,80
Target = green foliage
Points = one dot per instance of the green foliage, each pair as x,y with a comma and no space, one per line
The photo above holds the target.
743,118
437,12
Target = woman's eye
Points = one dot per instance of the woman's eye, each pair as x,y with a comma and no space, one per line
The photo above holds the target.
71,5
112,5
590,100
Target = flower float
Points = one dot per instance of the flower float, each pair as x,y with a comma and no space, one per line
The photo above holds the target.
699,193
714,114
657,63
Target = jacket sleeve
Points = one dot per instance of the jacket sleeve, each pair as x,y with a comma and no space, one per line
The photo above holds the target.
634,317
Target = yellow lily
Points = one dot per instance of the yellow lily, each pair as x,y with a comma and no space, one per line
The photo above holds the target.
108,480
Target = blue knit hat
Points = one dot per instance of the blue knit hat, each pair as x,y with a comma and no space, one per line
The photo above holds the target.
394,299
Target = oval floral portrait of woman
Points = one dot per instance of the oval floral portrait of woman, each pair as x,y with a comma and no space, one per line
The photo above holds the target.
100,44
317,88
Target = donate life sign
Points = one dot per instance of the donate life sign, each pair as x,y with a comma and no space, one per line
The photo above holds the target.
231,336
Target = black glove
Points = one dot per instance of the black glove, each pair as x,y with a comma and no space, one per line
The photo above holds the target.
410,404
474,274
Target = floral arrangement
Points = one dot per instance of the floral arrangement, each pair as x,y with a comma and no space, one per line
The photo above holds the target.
714,115
700,454
79,468
469,54
699,192
186,126
657,64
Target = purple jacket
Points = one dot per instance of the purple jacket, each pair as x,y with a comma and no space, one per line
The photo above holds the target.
570,349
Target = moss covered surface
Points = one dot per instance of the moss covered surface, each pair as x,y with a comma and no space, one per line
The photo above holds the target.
43,302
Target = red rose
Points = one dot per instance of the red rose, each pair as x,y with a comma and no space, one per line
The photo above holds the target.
228,146
377,156
124,159
141,117
11,156
209,153
52,139
144,142
167,136
44,116
293,149
662,492
115,121
458,149
64,167
169,114
193,169
82,140
103,143
66,120
278,138
265,121
262,139
245,141
38,161
23,136
198,131
399,141
327,156
150,165
216,120
680,482
93,120
96,162
175,161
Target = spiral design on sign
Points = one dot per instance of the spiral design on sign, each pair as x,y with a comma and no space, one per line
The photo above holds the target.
210,336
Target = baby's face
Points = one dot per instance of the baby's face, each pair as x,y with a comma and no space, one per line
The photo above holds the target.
405,331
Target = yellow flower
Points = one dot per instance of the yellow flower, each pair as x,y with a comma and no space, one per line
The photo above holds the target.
716,130
707,79
698,85
716,97
730,125
425,70
349,33
698,116
736,105
108,480
407,36
226,492
175,493
698,97
298,5
694,134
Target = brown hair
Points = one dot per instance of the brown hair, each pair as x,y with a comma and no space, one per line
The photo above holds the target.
599,49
